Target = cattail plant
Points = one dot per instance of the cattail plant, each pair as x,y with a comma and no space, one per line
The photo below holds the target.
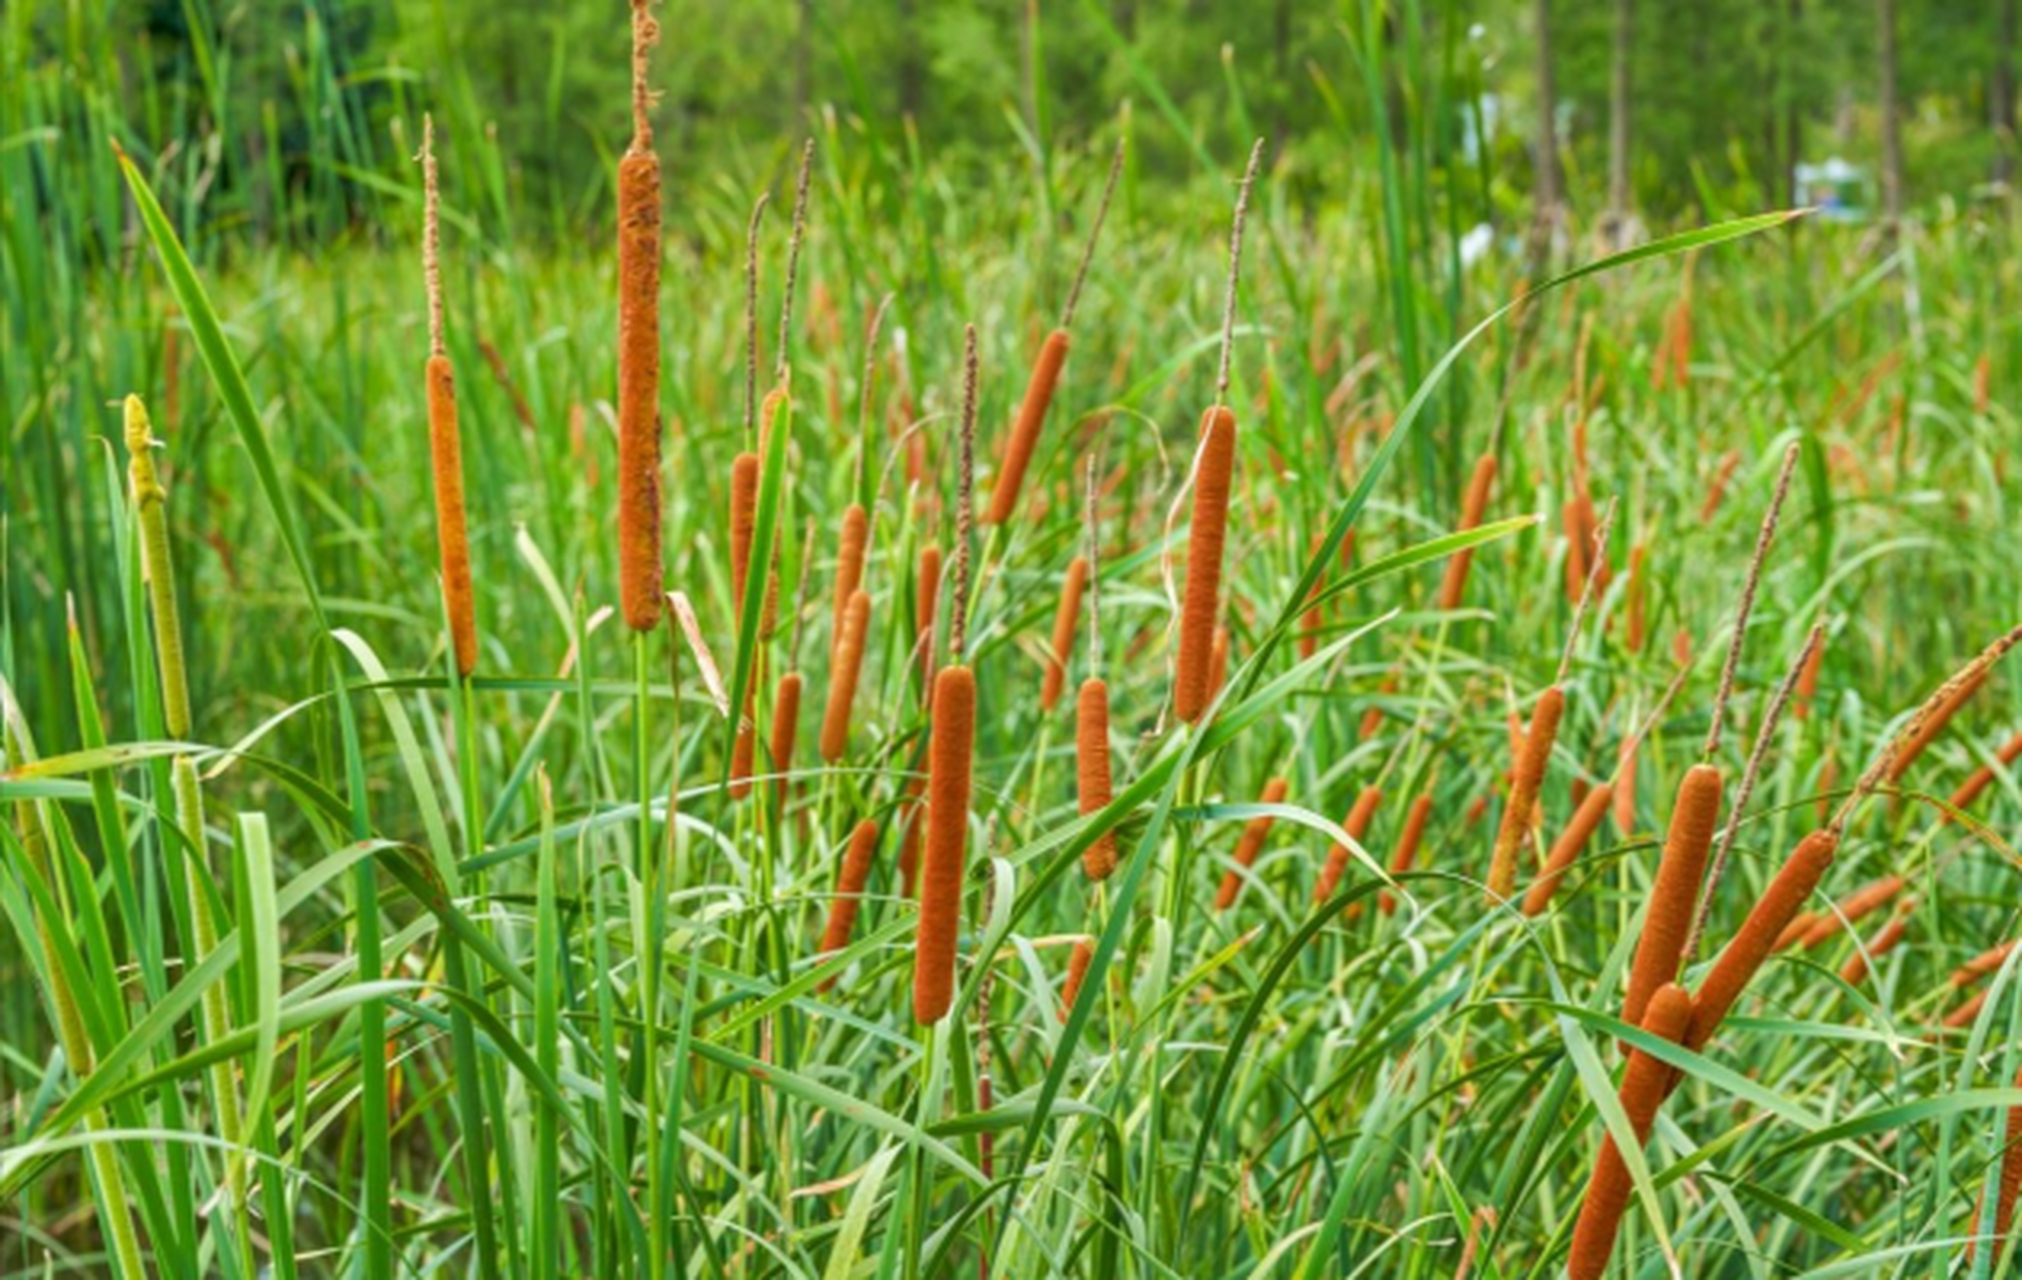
847,665
1644,1083
1214,472
1063,633
1855,907
849,890
1668,919
1636,605
1981,965
1024,438
851,545
1983,777
909,838
150,501
2006,1187
1405,856
1523,792
1929,727
1566,849
1453,587
1093,787
1760,934
445,449
1357,826
1807,682
927,604
949,756
1250,844
1855,970
639,348
1966,1014
786,698
1077,970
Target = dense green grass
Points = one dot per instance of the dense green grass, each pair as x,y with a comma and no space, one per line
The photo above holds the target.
626,1011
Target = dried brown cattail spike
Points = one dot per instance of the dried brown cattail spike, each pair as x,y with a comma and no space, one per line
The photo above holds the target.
1077,969
849,566
847,666
1983,777
445,446
1024,436
1644,1085
1675,894
849,890
1092,776
1981,965
1064,619
946,853
1566,849
1454,586
1357,826
1523,795
1405,856
1201,607
1761,934
1855,970
1255,832
785,728
1856,906
639,350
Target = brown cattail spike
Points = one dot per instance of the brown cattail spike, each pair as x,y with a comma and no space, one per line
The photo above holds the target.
1024,438
1077,969
1668,918
800,190
1453,588
639,349
1357,826
1201,606
1927,730
1064,619
926,604
1644,1083
1855,970
946,852
1405,856
1983,777
785,728
849,890
848,666
1529,775
1982,965
445,446
1250,844
1761,934
2007,1187
1566,849
849,565
1091,765
1855,907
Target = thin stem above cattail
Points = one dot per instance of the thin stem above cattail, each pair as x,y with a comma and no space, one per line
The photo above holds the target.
1235,272
800,192
1094,235
1763,538
1600,549
958,625
751,314
445,446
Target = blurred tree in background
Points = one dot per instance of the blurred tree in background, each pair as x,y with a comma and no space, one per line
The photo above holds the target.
281,116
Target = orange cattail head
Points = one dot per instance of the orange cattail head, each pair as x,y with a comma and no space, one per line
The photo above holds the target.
1674,898
1983,777
1091,764
1566,849
1025,431
639,387
848,665
446,457
1063,633
1644,1085
1077,969
924,609
849,563
1357,826
949,758
1638,592
1859,904
849,889
1405,856
785,728
743,524
1926,729
1453,588
1529,775
1249,845
1201,606
1760,934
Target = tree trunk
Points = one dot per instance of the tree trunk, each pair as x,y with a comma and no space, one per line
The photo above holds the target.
1547,193
1892,138
2001,95
1618,116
